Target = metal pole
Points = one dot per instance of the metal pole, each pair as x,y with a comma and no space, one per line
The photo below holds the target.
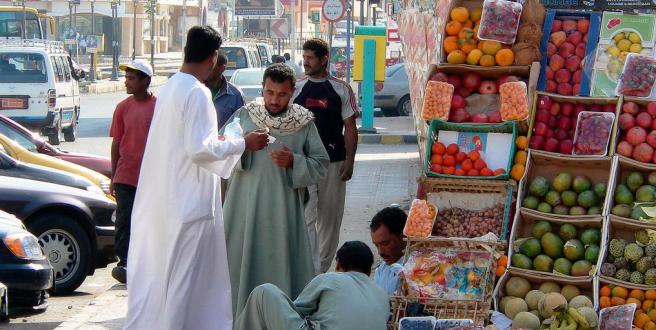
134,29
301,24
361,12
184,22
114,42
292,27
373,15
24,29
77,42
348,41
152,34
92,74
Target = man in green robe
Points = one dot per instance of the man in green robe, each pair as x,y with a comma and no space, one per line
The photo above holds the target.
267,239
344,300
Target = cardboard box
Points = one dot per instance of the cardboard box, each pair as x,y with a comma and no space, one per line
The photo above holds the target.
607,66
617,227
548,165
522,230
591,45
622,166
445,16
579,100
588,287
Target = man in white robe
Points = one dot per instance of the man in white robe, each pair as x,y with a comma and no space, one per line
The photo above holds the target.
178,272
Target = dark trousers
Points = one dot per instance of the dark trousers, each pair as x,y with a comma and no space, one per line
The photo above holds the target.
124,194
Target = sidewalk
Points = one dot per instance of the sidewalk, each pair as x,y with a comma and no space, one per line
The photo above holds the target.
389,130
108,86
383,176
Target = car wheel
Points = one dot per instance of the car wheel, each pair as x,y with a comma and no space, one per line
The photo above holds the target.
55,133
67,247
70,133
404,107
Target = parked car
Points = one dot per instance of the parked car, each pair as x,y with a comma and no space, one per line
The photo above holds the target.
394,98
13,168
250,82
240,56
34,143
17,152
24,269
39,87
75,228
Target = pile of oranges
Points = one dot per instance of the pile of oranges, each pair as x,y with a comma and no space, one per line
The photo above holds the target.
519,166
461,43
645,315
502,264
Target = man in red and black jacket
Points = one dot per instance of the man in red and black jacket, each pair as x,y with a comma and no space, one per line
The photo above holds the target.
334,106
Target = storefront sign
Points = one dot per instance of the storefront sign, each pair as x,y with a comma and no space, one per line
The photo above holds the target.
624,4
568,4
255,8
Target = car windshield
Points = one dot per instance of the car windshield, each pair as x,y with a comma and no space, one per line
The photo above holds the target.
247,78
16,136
236,57
22,68
390,71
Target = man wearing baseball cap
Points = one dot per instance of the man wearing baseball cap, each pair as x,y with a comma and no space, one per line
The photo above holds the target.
129,131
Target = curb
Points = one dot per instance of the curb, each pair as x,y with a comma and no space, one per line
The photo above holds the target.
387,139
116,86
106,311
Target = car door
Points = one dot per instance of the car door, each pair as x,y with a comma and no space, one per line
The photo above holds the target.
62,89
68,111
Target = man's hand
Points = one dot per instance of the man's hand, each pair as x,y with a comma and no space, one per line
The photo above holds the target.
346,171
283,157
111,188
256,140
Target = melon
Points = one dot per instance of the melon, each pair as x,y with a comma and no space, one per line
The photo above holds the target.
526,320
503,302
518,287
549,302
533,298
514,307
590,316
548,287
570,291
580,301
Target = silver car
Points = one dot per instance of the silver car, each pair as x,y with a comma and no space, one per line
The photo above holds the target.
394,98
250,82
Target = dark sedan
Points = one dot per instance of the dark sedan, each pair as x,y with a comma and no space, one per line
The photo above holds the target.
23,267
34,143
75,228
16,169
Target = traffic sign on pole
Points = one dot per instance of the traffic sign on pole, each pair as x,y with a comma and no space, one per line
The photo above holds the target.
333,10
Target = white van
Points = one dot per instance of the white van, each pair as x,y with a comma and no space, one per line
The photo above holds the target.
39,87
241,56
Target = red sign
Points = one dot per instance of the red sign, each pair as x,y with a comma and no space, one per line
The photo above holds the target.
393,35
333,10
13,103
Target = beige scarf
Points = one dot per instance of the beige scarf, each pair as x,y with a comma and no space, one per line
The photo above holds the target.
289,122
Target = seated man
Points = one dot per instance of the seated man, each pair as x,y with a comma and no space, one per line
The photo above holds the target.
387,235
344,300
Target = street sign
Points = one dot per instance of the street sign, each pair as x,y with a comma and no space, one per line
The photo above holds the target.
279,28
333,10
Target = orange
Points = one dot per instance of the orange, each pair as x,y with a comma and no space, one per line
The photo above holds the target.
640,319
651,313
499,171
466,33
450,170
648,305
487,60
650,294
469,24
520,157
604,291
521,142
637,294
452,149
480,164
500,271
467,165
505,57
460,172
517,172
620,292
474,56
491,47
474,155
503,261
436,159
649,326
616,301
467,47
486,172
438,148
453,28
449,161
460,157
456,57
475,14
634,301
604,302
450,44
473,172
460,14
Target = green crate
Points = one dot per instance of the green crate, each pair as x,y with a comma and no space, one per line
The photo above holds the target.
437,125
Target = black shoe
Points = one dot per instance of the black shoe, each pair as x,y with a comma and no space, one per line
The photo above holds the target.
119,273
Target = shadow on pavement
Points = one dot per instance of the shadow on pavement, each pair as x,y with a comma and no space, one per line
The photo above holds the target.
93,127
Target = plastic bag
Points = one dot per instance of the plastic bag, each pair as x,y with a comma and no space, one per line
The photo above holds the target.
417,323
638,76
500,21
514,101
450,324
437,102
617,317
420,219
233,130
593,130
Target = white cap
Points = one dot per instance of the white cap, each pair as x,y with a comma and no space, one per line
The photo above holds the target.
139,65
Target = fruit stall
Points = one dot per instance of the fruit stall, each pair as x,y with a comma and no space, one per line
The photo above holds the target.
536,126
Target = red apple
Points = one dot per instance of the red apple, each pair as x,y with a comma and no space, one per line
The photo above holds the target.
495,117
439,76
610,108
566,49
463,91
556,62
564,123
567,108
506,79
578,109
557,25
580,50
549,73
643,120
553,122
630,107
577,76
488,87
551,49
555,109
471,81
565,147
458,102
575,37
544,102
454,80
595,108
542,116
651,139
537,142
551,145
552,86
479,118
573,63
458,116
561,134
563,76
626,121
565,89
625,149
541,129
576,89
651,109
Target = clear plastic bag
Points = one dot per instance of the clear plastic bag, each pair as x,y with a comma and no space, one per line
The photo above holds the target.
514,101
437,102
417,323
593,131
617,317
500,21
233,130
420,219
450,324
638,76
